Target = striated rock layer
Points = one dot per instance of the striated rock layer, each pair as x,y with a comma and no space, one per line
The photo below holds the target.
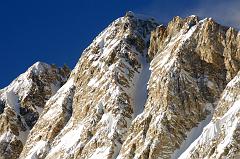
140,90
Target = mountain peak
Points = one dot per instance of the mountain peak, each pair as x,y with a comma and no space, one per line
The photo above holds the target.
140,90
139,16
39,67
22,102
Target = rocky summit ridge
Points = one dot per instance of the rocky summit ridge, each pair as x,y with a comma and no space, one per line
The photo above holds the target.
141,90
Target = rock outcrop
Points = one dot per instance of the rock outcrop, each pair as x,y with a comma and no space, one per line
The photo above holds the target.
22,102
221,137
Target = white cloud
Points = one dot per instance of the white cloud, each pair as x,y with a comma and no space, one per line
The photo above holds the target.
226,12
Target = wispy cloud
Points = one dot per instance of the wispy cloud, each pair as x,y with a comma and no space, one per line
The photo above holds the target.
165,10
225,12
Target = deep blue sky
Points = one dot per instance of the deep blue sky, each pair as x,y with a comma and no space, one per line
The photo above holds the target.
57,31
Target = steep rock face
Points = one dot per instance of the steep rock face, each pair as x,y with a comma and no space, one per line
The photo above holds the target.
191,64
106,79
22,102
141,90
221,137
55,116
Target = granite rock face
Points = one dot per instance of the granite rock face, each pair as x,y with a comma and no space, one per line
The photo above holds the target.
22,102
190,68
220,138
140,90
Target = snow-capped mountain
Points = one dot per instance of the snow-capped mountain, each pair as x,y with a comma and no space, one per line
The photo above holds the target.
22,102
140,90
